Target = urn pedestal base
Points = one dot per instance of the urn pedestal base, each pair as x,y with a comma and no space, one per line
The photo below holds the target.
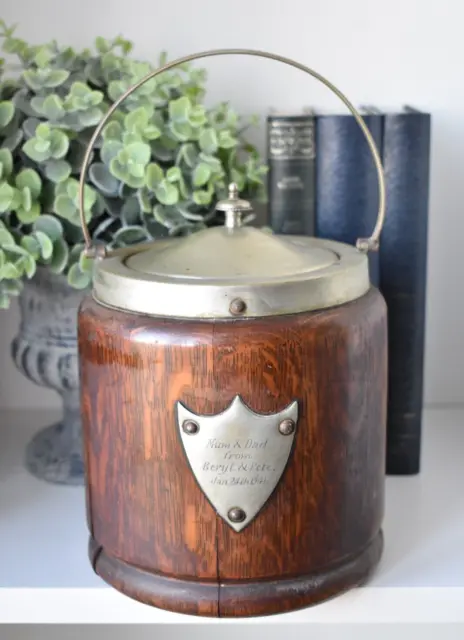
55,453
236,599
45,352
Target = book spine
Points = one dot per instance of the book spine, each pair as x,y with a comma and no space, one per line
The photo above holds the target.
403,272
347,193
291,175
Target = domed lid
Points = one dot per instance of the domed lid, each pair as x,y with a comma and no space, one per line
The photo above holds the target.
231,271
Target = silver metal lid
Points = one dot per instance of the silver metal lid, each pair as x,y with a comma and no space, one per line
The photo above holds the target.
231,271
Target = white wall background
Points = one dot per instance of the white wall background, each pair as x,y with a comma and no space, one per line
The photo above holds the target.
387,53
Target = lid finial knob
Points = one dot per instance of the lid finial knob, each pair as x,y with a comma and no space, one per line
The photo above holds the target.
233,207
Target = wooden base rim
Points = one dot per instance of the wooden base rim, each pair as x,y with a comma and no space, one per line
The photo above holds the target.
236,599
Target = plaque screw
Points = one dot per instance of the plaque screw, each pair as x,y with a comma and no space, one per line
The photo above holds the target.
190,427
286,427
237,307
236,514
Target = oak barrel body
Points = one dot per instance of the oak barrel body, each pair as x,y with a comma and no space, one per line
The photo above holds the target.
153,533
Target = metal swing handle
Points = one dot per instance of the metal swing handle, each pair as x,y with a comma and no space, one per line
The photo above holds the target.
362,244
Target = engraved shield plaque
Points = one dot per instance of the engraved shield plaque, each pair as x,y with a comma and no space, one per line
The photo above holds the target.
238,456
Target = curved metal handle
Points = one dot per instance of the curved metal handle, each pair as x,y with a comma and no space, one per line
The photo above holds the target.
363,244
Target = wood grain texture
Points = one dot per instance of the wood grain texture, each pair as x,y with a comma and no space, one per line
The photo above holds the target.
145,507
329,503
146,510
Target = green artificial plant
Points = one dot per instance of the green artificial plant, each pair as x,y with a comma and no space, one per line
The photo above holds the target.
159,167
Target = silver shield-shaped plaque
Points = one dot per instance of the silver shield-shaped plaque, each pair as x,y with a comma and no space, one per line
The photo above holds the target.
238,456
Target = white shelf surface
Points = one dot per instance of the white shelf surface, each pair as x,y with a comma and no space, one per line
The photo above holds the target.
46,577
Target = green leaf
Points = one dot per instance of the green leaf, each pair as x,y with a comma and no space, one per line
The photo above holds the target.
30,179
17,200
130,235
28,215
208,141
28,265
160,152
112,131
116,88
50,226
26,197
57,170
13,141
129,137
144,197
226,140
6,163
33,80
202,197
137,119
153,175
7,193
110,150
151,132
43,131
118,169
197,116
60,255
179,109
173,174
181,130
183,189
75,253
166,193
59,144
189,154
9,271
90,117
169,217
65,208
30,126
77,279
102,45
52,107
137,170
42,145
32,246
12,287
121,172
34,153
138,152
7,111
201,174
43,57
85,263
105,182
213,162
57,77
6,239
130,211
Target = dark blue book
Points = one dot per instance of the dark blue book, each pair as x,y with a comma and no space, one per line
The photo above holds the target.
403,275
291,176
347,194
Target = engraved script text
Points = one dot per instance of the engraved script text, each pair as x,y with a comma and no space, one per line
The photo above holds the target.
241,463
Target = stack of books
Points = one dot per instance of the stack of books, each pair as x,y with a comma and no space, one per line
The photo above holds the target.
322,182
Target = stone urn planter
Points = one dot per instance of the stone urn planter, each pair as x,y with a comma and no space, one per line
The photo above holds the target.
45,351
